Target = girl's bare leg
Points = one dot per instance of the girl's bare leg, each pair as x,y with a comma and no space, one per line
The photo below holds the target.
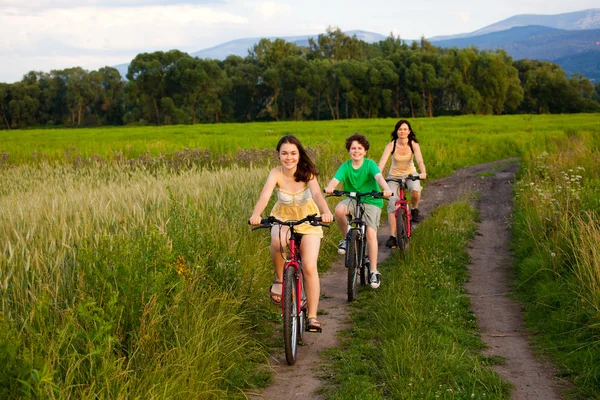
309,249
277,240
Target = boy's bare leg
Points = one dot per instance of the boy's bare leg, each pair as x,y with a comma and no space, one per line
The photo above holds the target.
340,217
373,248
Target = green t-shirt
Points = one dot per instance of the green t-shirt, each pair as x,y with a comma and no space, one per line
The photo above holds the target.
361,179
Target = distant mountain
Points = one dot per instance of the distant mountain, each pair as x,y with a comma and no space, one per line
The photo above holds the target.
240,47
571,40
534,42
578,20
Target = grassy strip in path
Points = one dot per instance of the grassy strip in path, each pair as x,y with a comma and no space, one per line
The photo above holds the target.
415,336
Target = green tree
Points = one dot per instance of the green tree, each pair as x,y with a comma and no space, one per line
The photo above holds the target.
336,46
81,92
272,53
4,100
146,75
242,97
109,95
24,104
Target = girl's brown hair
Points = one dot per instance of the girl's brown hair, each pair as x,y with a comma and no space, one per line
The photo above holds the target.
306,169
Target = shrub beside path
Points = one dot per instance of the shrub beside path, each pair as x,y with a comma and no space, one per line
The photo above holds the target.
489,186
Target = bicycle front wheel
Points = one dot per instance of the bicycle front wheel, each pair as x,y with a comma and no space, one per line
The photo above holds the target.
352,263
302,318
290,315
402,230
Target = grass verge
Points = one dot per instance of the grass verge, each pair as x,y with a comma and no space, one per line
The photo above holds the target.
415,336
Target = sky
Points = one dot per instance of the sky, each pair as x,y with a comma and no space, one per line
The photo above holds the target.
43,35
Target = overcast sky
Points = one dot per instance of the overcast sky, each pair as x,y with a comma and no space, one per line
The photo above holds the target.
43,35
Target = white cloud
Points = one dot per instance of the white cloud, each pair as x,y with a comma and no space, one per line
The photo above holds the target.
91,28
268,10
463,17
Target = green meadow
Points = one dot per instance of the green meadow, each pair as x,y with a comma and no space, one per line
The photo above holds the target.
127,268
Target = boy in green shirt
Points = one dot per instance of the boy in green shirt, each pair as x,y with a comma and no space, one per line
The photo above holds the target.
360,174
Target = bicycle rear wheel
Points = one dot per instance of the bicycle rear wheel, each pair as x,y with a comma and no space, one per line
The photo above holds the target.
352,258
401,230
290,315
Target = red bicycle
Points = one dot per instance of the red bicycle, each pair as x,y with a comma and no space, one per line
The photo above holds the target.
402,213
293,299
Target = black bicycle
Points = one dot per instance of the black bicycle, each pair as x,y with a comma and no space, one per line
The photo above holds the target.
357,259
293,299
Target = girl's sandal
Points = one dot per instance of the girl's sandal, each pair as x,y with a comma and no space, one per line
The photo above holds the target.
274,296
314,325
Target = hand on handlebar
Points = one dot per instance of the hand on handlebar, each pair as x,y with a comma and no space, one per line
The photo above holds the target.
327,218
423,175
387,193
328,190
255,220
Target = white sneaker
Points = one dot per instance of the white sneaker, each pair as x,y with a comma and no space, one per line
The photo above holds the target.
375,280
342,247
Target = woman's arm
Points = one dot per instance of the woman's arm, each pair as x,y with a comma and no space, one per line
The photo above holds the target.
384,157
315,190
265,195
419,157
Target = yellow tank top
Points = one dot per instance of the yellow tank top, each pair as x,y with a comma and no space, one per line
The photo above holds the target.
402,165
294,207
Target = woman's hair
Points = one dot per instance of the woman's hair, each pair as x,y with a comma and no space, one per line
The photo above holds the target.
306,169
411,136
358,138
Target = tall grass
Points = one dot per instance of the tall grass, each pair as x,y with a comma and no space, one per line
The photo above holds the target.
117,283
127,269
556,235
447,142
415,337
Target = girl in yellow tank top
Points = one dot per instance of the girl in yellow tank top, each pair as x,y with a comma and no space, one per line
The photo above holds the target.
404,149
298,195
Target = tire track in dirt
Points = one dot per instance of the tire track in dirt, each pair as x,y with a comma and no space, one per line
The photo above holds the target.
499,318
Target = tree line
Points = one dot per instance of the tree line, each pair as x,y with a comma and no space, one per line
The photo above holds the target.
336,76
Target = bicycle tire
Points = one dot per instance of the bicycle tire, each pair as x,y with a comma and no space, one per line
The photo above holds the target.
365,267
290,318
402,231
352,262
302,318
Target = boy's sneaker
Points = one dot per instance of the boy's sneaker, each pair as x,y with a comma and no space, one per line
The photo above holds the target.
414,215
375,280
391,243
342,247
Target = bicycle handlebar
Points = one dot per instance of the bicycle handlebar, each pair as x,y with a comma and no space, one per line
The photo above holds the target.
401,180
271,220
374,194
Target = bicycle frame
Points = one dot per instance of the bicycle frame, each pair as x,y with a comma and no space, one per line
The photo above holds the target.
294,261
402,205
402,212
361,267
294,318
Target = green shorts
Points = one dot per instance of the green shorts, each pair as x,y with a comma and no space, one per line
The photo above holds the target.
372,213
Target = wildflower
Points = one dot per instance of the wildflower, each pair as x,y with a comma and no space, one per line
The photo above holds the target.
553,254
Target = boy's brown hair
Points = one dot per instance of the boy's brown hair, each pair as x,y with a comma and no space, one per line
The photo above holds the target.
360,139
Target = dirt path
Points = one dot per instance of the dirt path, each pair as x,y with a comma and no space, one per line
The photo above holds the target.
500,319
